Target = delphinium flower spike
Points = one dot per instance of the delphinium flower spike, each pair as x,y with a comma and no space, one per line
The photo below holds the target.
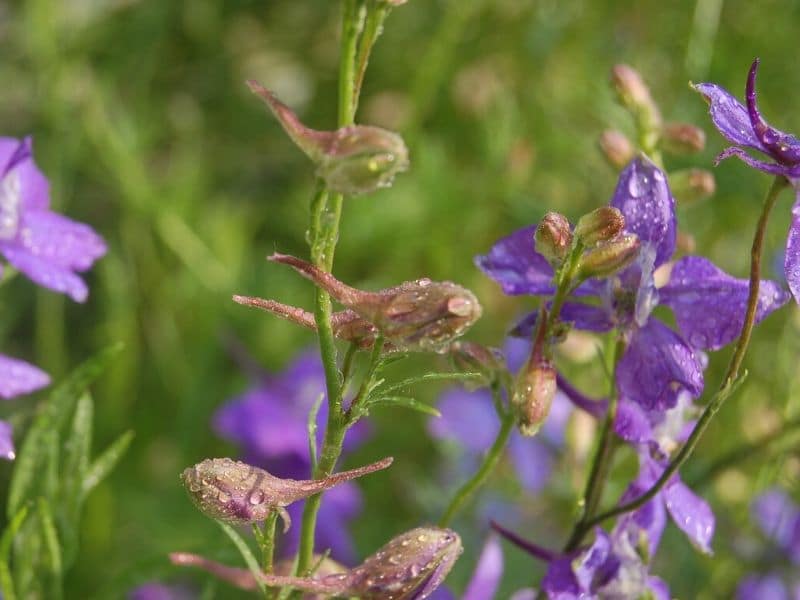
746,128
409,567
235,492
351,160
420,315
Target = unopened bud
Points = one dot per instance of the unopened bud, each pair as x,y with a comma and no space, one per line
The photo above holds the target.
553,238
421,315
235,492
690,186
533,394
352,160
609,257
600,225
683,138
685,242
634,95
616,147
471,357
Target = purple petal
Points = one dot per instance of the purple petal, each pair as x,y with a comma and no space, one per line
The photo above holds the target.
442,593
773,168
768,587
516,266
643,196
61,241
709,304
592,559
631,423
159,591
659,588
729,116
792,258
6,441
656,366
45,273
468,417
19,173
532,461
652,516
486,578
587,317
18,377
516,351
555,426
776,514
559,582
691,514
783,147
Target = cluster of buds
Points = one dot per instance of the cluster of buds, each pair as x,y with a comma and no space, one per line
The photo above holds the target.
238,493
409,567
351,160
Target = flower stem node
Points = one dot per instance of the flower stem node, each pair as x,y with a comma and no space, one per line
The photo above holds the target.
683,138
601,225
533,395
609,257
352,160
553,238
616,147
238,493
420,315
690,186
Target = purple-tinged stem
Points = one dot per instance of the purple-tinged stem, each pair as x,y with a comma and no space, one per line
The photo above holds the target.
534,550
596,408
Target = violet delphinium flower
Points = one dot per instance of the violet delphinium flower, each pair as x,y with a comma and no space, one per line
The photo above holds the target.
769,587
708,304
610,568
470,420
779,518
269,423
16,378
744,126
47,247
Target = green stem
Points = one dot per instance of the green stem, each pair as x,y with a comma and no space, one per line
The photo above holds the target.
326,212
376,15
729,383
487,466
565,283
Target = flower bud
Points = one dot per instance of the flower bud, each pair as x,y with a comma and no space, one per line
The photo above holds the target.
616,147
609,257
690,186
601,225
352,160
235,492
683,138
533,394
553,238
410,566
470,357
421,315
634,95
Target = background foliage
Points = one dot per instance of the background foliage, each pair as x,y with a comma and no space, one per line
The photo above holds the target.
142,122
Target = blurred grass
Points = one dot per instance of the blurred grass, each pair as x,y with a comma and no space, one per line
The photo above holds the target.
146,131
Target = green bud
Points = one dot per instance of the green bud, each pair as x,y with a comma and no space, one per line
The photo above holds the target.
609,257
534,390
356,159
683,138
690,186
470,357
421,315
600,225
553,238
616,147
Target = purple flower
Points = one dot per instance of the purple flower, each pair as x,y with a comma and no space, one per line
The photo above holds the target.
16,378
769,587
269,423
610,568
708,304
745,127
45,246
159,591
779,518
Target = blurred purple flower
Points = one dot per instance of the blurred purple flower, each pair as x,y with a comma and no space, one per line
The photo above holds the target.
16,378
768,587
708,304
779,518
745,127
159,591
47,247
269,423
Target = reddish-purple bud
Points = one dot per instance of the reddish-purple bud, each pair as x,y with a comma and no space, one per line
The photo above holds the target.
534,390
421,315
609,257
616,147
690,186
352,160
634,95
601,225
683,138
553,238
235,492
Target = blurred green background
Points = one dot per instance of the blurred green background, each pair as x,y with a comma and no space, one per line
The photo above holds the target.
144,126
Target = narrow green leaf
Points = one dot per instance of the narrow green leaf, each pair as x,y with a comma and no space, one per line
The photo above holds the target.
26,560
51,544
52,416
77,446
6,581
431,377
405,402
105,463
247,554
